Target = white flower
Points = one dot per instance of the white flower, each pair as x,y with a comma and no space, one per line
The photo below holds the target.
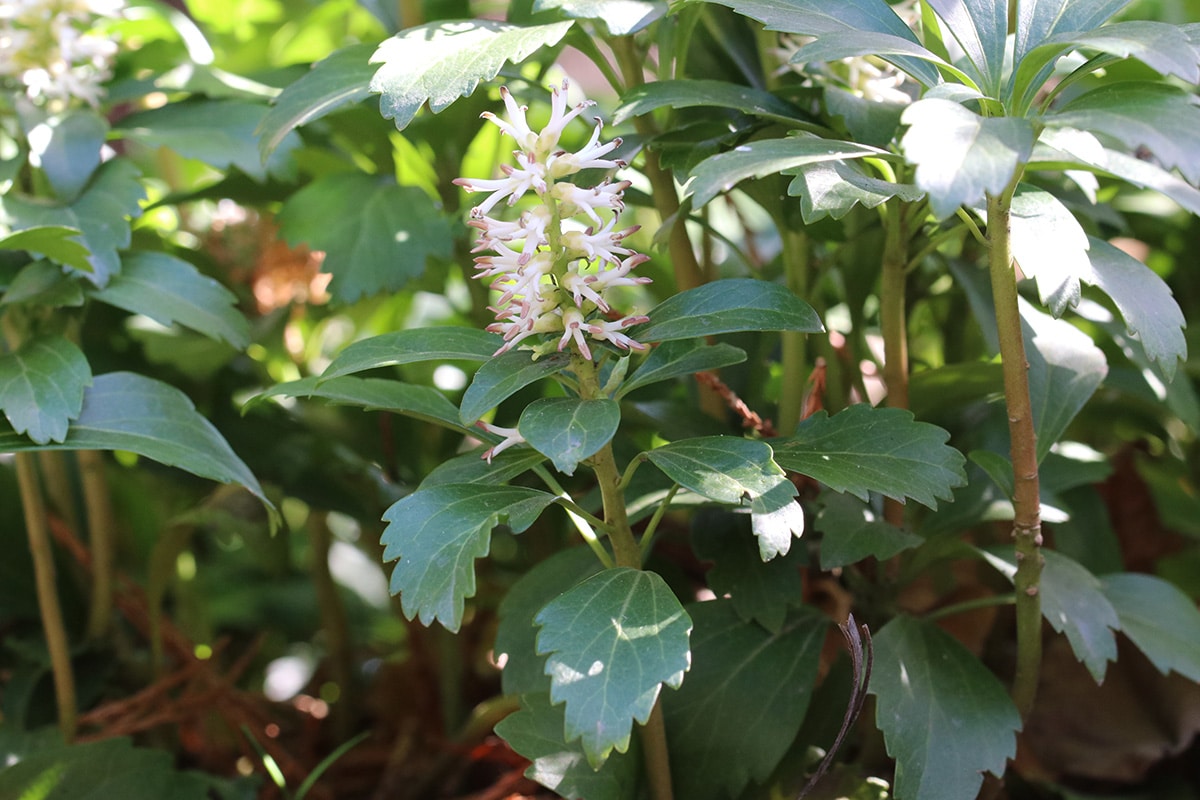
47,47
511,437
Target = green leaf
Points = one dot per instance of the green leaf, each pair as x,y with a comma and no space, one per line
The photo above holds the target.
719,94
872,122
125,411
1144,300
376,236
904,53
612,642
761,591
516,634
413,346
1065,369
832,189
621,18
739,710
567,430
1074,603
98,770
677,358
101,213
722,172
981,28
338,80
437,532
169,290
1163,118
503,376
863,449
536,732
42,386
1161,620
421,402
1161,46
67,148
816,17
945,718
1050,245
443,61
472,467
728,306
221,133
853,532
55,242
42,283
960,155
1039,21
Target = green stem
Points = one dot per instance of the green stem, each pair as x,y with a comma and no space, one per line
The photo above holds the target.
101,538
38,529
794,356
584,522
652,525
893,321
1027,526
971,605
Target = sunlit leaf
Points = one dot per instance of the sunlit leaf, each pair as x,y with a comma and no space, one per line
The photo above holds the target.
728,306
897,49
340,79
536,732
413,346
1050,245
852,532
981,28
945,718
613,641
832,189
437,532
125,411
722,172
1039,20
1160,619
567,430
67,148
55,242
503,376
863,449
41,387
376,235
169,290
689,93
421,402
680,357
620,17
744,699
960,155
443,61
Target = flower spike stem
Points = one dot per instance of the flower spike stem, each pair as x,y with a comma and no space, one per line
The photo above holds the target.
1027,525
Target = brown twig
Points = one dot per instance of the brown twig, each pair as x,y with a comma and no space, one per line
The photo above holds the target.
750,418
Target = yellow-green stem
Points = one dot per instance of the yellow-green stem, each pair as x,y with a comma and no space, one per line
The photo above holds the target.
38,530
794,356
892,313
1027,526
101,539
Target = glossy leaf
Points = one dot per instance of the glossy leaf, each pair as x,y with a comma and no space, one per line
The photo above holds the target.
945,718
67,148
613,641
101,213
536,732
55,242
421,402
516,634
690,93
863,449
340,79
908,55
503,376
413,346
472,467
124,411
728,306
1074,604
567,430
761,591
1162,118
677,358
381,239
981,28
832,189
443,61
41,387
960,155
1161,620
744,699
722,172
221,133
853,532
437,532
1161,46
1050,245
169,290
620,19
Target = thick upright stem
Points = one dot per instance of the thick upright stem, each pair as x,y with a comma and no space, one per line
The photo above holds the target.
1027,526
101,537
892,313
38,530
794,356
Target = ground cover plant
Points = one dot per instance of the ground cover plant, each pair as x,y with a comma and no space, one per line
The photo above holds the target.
751,399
